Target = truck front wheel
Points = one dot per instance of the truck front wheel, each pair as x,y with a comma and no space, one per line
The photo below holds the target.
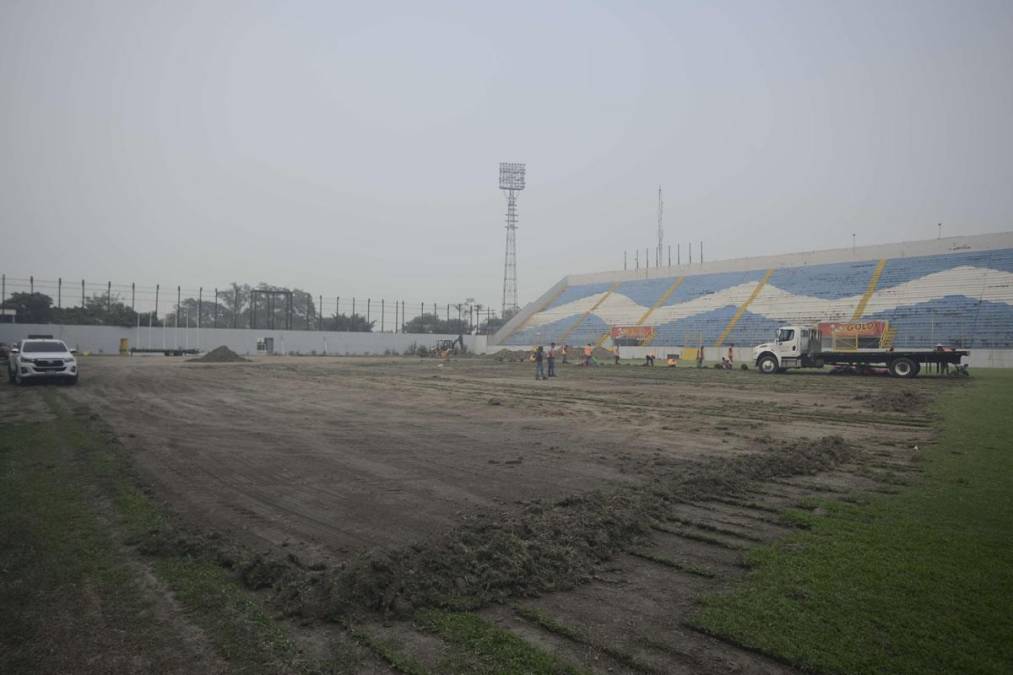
767,364
903,367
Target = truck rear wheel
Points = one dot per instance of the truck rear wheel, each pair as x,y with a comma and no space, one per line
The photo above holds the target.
767,365
903,367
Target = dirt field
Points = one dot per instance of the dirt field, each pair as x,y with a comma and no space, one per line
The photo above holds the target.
328,457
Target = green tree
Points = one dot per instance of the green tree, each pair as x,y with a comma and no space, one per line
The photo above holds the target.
31,307
356,323
494,323
100,309
432,323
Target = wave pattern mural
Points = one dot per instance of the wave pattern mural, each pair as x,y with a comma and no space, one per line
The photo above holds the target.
963,299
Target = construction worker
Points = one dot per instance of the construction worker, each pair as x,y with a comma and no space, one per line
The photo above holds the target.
551,356
588,351
539,370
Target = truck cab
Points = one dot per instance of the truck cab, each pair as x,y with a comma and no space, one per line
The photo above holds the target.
793,347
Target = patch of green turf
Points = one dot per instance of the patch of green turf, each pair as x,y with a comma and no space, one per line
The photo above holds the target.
481,647
72,596
580,636
391,653
238,625
917,582
65,595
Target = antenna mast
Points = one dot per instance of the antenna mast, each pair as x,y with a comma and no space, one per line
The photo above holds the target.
661,230
511,181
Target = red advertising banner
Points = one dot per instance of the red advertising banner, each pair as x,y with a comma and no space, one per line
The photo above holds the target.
852,335
853,328
631,336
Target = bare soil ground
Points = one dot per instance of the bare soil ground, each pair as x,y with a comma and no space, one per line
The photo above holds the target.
325,458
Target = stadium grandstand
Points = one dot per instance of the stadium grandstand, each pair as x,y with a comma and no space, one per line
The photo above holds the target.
956,291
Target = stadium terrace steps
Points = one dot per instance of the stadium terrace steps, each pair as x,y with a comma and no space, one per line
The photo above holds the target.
962,298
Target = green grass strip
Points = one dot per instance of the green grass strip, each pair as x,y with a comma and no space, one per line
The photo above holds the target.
917,582
482,647
71,591
552,625
390,653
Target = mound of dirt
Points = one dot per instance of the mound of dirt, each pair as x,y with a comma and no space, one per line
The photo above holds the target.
219,355
892,400
510,355
547,546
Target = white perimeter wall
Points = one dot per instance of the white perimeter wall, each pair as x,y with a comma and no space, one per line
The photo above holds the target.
106,339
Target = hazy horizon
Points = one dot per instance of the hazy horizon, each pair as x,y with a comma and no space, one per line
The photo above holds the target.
353,150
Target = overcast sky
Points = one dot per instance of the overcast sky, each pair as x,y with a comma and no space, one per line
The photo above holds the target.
352,148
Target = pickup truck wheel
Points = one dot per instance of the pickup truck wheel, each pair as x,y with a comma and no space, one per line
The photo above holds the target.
903,367
767,365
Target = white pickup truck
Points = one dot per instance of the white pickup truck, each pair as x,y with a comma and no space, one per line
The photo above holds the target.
41,358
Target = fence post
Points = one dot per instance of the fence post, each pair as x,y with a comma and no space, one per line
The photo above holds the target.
448,316
109,297
381,315
215,324
320,314
59,293
200,306
353,305
235,311
395,317
337,306
82,294
369,302
156,302
31,285
133,297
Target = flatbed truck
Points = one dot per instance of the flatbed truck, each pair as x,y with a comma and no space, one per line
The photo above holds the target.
859,345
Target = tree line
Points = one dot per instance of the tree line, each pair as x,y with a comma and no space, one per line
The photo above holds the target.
236,307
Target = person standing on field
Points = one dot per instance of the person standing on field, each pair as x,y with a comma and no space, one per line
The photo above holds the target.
551,356
731,355
539,370
588,351
563,351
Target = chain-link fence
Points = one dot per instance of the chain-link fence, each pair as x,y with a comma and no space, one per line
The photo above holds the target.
82,302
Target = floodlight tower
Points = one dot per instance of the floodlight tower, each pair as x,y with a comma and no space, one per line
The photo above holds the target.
511,180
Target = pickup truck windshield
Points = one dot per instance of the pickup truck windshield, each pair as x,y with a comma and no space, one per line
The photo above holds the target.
44,346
